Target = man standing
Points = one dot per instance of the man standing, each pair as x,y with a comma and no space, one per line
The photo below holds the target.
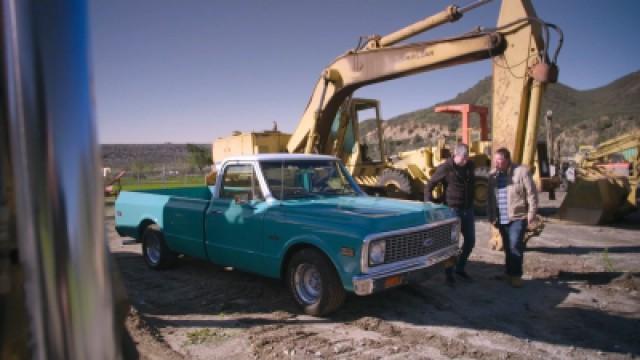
457,176
513,203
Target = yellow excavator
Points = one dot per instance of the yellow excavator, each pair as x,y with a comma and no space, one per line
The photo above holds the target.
606,182
522,66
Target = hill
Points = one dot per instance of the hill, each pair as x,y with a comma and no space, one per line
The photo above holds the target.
149,157
579,117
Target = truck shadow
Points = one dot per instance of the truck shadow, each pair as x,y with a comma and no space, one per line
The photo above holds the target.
541,311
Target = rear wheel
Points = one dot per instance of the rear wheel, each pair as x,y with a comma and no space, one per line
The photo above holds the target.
154,249
314,283
395,183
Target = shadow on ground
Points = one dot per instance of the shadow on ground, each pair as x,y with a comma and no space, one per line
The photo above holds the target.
538,312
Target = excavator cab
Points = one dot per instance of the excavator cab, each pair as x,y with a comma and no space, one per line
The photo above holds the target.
364,157
346,144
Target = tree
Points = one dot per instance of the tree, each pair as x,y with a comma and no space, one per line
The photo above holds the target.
139,168
198,156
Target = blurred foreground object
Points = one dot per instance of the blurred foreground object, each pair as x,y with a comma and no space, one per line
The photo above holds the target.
56,296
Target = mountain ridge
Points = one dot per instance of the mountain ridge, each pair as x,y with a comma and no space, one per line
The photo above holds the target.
580,117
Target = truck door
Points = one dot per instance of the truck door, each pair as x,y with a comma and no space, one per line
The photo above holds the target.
234,221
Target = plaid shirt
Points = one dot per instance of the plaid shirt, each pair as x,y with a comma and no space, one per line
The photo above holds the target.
501,197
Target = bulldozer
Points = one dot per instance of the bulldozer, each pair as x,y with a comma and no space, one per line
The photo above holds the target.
522,66
606,182
420,164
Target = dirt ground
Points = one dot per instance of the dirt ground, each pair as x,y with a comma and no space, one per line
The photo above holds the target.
581,299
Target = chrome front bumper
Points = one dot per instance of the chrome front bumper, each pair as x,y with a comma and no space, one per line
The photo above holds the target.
376,281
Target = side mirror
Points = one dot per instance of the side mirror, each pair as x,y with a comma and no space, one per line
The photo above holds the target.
241,199
246,199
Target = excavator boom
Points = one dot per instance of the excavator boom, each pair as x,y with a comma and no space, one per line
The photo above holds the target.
517,96
357,69
520,71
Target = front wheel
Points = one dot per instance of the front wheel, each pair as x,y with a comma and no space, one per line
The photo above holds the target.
155,251
314,283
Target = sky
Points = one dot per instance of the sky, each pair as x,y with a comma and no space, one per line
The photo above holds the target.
190,71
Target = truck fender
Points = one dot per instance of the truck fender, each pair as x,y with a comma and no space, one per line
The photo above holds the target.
144,223
308,241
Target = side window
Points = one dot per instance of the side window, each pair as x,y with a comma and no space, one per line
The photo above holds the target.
240,183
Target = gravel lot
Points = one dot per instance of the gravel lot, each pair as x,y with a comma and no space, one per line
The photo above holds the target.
581,299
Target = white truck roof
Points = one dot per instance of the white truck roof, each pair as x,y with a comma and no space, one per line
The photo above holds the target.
278,156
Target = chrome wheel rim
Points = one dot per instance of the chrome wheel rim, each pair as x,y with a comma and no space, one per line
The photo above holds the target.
153,248
308,283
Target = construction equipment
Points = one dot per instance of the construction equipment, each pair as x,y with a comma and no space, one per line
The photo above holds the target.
606,183
246,143
420,164
114,185
521,70
522,67
475,147
402,176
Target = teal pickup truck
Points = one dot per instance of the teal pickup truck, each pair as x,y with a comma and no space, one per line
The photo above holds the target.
301,218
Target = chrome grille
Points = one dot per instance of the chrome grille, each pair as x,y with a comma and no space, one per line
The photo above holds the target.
416,244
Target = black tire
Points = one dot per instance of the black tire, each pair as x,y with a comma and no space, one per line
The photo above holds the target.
395,183
315,299
481,196
154,249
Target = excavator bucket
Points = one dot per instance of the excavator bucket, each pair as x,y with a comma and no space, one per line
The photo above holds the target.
606,186
596,199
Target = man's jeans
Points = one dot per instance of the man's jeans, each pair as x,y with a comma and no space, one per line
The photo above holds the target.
513,242
467,221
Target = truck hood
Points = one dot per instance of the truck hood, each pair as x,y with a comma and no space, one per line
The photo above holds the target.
366,214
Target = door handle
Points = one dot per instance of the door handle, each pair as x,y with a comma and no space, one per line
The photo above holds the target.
214,212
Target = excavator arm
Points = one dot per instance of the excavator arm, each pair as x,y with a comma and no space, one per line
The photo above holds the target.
359,68
521,68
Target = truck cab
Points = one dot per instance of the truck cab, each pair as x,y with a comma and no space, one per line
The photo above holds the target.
298,217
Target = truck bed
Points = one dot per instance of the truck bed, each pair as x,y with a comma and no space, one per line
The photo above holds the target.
184,207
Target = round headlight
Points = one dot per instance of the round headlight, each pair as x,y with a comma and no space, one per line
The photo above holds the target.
376,252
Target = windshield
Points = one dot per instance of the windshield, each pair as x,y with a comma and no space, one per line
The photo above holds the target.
306,178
